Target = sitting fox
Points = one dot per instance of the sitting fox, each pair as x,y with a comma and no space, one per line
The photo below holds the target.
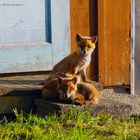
79,60
71,89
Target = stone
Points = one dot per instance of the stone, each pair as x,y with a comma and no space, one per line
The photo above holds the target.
105,106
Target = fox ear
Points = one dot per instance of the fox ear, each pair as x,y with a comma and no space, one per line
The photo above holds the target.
94,39
78,37
75,80
60,80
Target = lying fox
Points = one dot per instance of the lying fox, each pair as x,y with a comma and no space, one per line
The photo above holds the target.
79,60
50,89
71,89
80,93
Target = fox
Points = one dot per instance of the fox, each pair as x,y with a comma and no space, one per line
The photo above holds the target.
78,60
86,94
51,88
80,93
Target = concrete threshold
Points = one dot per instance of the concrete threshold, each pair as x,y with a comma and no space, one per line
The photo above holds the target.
21,92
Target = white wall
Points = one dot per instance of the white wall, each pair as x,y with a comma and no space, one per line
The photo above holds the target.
137,46
135,51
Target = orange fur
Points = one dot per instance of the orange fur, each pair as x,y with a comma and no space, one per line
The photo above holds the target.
79,92
71,88
51,88
86,94
79,60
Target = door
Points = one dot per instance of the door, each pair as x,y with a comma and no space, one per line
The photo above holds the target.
114,42
34,34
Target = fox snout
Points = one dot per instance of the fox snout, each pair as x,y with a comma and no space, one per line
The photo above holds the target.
84,52
66,96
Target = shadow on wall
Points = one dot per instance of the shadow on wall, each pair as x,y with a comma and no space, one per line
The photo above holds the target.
48,21
93,32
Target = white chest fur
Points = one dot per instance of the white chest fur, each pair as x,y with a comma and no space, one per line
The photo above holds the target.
85,61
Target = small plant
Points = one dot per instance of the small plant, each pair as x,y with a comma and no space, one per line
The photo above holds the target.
71,125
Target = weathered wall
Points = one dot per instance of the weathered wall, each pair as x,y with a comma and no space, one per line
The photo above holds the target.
137,46
114,42
21,23
34,35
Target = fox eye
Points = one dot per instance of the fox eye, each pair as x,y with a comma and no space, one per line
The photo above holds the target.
82,46
70,88
87,48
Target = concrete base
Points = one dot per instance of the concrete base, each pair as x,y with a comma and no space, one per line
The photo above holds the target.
19,99
121,95
105,106
20,91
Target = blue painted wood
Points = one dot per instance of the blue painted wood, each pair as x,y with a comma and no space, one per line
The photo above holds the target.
25,29
24,22
27,57
60,11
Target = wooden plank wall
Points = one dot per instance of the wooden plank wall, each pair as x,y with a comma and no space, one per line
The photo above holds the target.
79,16
114,42
83,14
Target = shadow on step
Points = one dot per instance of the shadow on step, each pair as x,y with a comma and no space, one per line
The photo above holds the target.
22,99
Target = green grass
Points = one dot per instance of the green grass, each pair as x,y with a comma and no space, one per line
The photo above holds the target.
71,125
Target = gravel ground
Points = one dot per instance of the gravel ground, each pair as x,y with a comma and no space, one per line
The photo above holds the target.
123,96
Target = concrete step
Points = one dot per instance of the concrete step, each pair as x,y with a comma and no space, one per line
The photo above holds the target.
22,99
105,106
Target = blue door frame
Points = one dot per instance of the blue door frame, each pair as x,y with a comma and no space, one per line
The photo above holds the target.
34,38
